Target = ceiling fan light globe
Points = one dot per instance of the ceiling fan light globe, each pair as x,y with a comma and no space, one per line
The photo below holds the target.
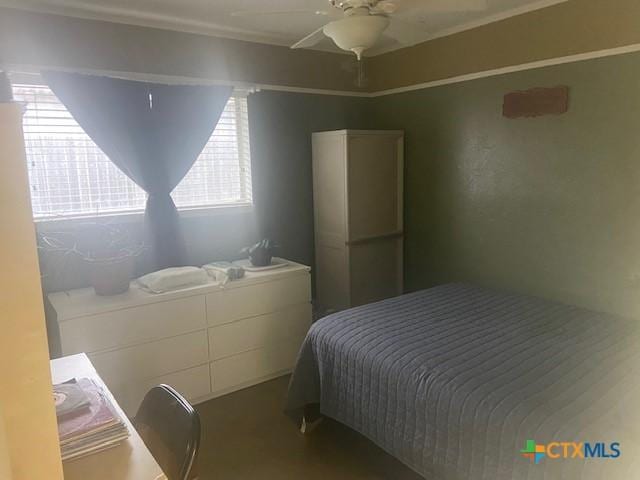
356,33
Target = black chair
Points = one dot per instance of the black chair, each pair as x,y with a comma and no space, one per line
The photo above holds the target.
170,428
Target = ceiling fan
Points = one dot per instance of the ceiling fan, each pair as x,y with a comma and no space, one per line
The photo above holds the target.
357,25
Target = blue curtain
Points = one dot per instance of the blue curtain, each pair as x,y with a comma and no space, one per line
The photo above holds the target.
153,133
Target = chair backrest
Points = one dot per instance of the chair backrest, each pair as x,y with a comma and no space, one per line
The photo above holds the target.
170,428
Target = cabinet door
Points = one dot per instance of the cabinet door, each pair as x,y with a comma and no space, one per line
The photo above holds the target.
332,279
375,270
374,185
329,192
329,177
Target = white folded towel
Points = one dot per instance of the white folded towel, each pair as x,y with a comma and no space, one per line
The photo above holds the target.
173,279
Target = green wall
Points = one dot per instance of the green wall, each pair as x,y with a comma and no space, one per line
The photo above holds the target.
548,206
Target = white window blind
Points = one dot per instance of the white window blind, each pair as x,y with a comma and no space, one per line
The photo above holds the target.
71,177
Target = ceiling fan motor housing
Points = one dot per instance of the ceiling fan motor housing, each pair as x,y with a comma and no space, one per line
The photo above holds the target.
353,4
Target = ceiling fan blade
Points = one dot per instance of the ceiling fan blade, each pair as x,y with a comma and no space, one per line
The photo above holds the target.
251,13
310,40
405,32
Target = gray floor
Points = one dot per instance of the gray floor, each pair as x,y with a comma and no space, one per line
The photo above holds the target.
246,436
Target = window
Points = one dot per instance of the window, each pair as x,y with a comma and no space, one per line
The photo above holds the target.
69,175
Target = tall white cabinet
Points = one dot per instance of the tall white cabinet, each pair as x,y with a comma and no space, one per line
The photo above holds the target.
358,215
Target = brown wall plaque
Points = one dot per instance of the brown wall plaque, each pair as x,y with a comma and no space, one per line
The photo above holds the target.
536,102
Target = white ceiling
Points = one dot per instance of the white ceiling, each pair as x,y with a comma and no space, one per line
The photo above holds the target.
213,17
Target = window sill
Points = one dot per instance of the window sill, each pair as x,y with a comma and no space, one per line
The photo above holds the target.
50,223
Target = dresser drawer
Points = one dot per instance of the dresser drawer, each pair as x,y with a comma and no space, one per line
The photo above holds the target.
149,360
236,303
134,325
251,367
192,383
250,333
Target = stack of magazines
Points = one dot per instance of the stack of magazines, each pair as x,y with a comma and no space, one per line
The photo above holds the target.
87,421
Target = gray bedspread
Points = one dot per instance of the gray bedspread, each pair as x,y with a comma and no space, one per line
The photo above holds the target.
453,380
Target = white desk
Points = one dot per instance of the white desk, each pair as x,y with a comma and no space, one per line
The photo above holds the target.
129,461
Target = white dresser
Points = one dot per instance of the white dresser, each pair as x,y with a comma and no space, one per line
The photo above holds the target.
205,341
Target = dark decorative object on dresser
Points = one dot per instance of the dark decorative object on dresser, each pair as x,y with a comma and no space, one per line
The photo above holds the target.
261,253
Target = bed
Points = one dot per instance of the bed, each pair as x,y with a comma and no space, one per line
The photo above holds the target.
455,379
